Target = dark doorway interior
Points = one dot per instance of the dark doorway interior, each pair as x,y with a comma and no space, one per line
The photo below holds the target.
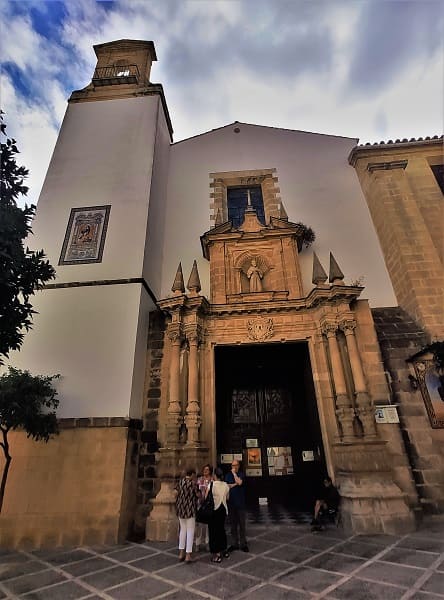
266,410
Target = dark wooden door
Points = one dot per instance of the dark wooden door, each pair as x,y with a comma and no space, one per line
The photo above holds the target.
263,398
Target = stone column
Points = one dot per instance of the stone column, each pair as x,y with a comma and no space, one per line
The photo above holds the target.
192,419
364,408
174,419
344,408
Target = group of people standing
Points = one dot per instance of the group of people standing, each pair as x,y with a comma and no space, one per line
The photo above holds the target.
229,499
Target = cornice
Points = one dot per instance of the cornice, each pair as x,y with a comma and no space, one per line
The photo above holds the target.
335,294
183,302
127,44
121,92
225,232
383,148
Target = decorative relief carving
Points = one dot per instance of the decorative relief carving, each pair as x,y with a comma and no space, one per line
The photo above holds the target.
260,329
252,180
348,326
329,328
174,334
193,337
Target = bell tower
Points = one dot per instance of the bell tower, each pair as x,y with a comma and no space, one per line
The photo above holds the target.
98,221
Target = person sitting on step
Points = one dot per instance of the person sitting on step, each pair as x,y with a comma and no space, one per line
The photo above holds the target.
328,502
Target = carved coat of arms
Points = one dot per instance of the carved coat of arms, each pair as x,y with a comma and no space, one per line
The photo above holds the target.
260,329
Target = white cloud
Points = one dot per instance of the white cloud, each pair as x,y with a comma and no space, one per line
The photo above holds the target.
33,128
284,64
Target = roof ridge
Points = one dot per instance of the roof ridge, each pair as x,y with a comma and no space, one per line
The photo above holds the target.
265,127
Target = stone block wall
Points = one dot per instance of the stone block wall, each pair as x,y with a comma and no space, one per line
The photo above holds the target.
147,481
400,338
381,396
406,206
72,490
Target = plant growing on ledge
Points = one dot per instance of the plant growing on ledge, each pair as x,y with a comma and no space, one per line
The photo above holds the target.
307,237
27,402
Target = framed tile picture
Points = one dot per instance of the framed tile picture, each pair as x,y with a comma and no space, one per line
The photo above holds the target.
85,235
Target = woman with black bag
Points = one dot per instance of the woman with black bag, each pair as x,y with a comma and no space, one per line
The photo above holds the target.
216,525
186,507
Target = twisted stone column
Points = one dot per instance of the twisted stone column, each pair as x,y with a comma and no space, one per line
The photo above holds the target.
174,419
344,408
192,418
364,409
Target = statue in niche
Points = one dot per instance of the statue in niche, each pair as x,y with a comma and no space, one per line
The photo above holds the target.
255,275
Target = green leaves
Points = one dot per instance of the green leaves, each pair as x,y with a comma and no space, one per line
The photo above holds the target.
28,402
22,271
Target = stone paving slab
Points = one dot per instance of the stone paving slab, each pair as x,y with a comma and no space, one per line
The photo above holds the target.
69,590
357,589
286,562
143,589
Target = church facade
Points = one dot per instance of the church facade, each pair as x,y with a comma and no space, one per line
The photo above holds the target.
253,293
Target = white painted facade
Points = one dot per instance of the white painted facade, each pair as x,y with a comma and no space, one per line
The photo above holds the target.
95,338
104,155
317,187
118,152
107,153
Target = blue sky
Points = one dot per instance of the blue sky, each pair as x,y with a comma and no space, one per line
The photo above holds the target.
371,69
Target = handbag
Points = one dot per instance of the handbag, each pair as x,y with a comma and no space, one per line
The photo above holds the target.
206,510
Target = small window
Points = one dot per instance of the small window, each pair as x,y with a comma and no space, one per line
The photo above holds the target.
438,172
237,200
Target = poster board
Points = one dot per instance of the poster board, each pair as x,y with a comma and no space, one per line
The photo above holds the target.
226,458
386,414
279,461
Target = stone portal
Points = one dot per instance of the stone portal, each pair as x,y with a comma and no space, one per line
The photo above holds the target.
257,300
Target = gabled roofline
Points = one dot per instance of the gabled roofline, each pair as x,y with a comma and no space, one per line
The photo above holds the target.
264,127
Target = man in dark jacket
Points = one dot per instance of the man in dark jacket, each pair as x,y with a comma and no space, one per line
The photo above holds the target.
237,508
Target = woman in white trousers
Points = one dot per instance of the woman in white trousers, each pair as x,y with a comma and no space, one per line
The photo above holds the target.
186,507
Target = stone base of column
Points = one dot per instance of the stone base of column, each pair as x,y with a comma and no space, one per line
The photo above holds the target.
370,500
162,523
195,456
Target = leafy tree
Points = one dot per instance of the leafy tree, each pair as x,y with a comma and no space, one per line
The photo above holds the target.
22,271
27,402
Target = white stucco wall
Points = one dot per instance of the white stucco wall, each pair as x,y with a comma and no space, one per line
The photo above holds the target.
95,336
317,185
156,216
104,155
89,336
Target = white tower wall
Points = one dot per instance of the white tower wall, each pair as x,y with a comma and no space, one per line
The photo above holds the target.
93,330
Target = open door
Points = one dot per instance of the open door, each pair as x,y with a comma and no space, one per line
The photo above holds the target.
267,413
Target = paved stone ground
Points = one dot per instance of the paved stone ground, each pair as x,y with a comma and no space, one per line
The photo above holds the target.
286,562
